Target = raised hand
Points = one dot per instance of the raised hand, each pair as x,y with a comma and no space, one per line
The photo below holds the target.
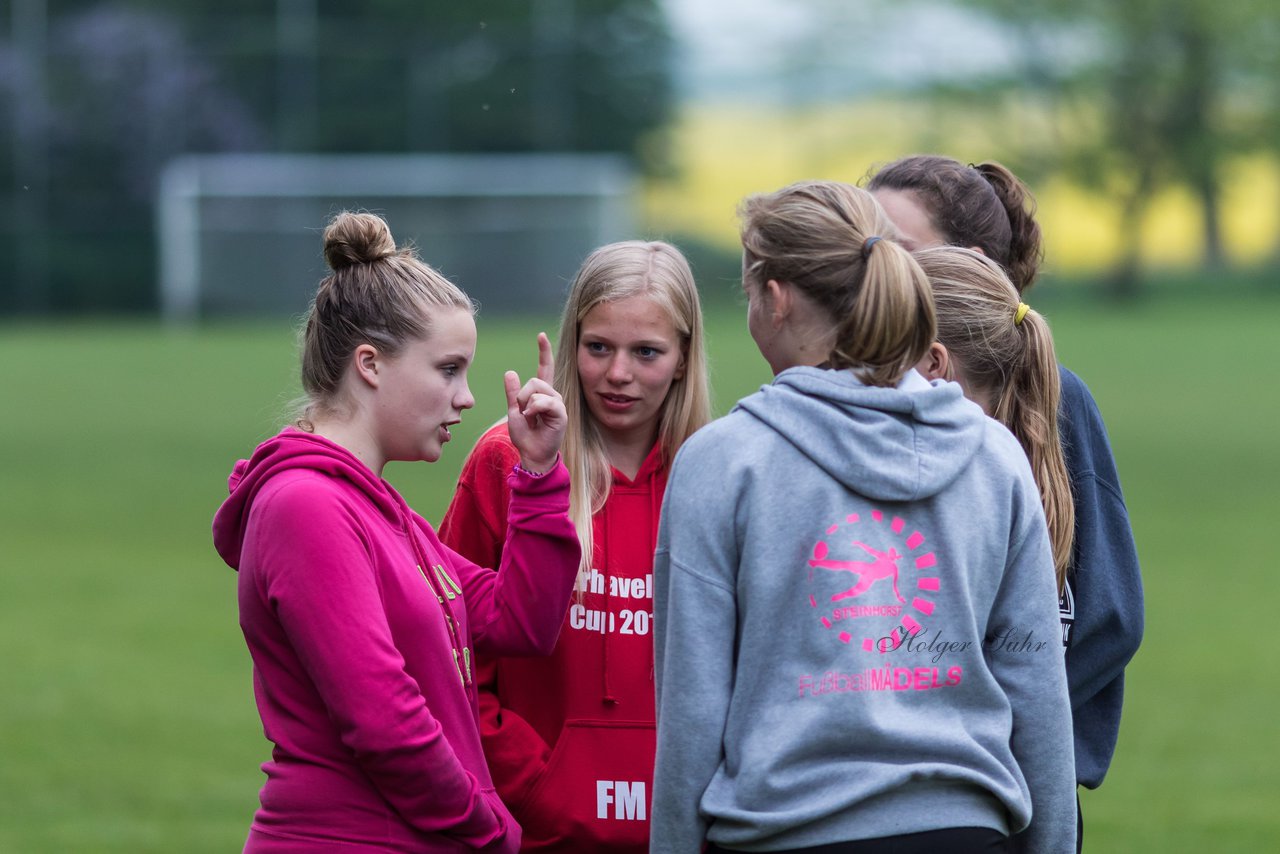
536,417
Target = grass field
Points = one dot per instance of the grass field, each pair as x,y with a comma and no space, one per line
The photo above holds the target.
126,716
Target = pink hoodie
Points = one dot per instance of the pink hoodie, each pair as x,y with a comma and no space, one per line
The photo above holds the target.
360,624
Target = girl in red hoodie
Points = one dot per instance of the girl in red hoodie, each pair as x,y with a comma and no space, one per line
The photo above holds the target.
362,625
570,737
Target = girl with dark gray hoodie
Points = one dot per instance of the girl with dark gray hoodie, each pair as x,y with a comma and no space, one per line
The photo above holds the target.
855,605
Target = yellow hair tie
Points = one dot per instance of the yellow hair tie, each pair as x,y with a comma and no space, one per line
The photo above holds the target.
1020,313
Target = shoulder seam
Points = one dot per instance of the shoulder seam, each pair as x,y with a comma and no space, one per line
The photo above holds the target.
1114,489
697,575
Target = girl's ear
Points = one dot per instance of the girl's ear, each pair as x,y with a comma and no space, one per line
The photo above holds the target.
366,360
936,364
684,352
780,299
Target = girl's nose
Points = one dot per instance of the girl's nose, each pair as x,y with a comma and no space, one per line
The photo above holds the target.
619,369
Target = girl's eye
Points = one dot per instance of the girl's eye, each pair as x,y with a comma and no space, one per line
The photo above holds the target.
450,370
595,347
647,353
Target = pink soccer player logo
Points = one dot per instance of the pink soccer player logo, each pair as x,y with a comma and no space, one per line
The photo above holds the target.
884,566
882,627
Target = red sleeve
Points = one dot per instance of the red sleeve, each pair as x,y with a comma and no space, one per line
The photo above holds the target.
323,590
475,526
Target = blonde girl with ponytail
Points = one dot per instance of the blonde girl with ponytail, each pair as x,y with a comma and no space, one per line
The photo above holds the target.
856,622
570,737
1000,351
938,201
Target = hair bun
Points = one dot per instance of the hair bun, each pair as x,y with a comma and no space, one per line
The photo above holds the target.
356,238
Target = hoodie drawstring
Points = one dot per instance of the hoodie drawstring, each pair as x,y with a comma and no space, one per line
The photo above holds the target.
607,691
446,590
654,494
655,511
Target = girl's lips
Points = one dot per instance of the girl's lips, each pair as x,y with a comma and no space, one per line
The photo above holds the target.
617,402
444,428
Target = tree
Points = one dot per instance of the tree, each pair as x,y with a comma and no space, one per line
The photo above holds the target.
1161,73
120,93
134,83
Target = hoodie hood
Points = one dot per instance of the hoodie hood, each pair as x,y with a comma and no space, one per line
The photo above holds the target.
889,444
293,449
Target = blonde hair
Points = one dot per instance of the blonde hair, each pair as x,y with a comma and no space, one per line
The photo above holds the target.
1014,363
816,235
377,294
659,272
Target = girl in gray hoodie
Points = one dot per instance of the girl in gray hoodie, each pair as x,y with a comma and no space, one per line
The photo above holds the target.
854,596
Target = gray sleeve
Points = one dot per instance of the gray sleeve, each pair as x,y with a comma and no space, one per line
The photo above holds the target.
695,621
1033,677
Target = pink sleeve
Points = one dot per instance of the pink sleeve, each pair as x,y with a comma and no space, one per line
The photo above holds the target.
320,581
519,609
475,525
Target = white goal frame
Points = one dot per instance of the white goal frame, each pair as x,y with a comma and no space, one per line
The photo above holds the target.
598,189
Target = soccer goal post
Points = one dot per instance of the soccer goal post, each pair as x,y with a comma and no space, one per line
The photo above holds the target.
240,234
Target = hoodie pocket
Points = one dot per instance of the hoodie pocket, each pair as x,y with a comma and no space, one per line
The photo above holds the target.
595,792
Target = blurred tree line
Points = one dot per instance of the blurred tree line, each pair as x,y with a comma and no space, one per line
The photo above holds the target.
1148,95
1127,98
100,95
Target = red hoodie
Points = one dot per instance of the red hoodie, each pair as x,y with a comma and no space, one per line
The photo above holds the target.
361,627
570,737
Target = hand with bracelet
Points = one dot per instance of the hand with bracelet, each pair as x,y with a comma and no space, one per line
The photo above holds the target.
536,416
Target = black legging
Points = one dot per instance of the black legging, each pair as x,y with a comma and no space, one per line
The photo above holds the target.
954,840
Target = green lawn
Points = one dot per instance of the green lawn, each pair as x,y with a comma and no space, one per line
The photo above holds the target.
127,721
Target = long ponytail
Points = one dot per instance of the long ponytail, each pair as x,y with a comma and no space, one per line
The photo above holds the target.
827,239
1004,352
1026,252
1029,407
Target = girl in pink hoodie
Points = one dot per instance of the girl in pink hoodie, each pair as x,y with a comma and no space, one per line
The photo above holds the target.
363,627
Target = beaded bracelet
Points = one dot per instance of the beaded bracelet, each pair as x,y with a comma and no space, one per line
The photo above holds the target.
524,470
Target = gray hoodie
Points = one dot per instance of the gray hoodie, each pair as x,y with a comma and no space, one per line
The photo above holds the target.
856,625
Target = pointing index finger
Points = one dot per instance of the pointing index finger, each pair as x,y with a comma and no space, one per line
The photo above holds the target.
546,361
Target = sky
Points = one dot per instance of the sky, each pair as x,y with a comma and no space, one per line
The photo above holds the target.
775,49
